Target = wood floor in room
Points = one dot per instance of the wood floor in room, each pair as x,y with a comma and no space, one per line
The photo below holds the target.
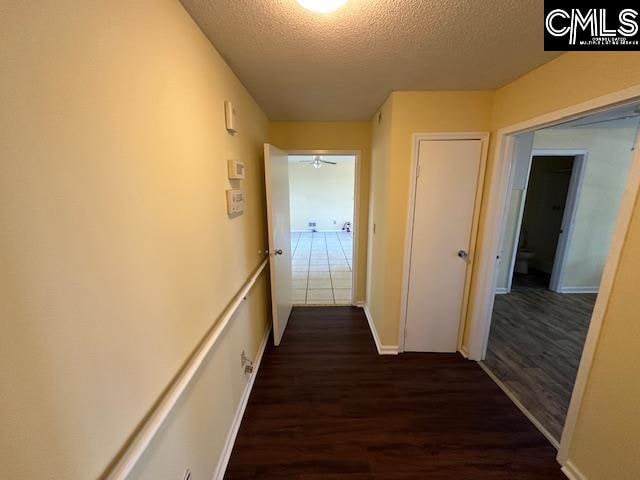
326,406
535,346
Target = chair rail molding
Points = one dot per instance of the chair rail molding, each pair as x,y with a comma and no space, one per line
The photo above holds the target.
140,440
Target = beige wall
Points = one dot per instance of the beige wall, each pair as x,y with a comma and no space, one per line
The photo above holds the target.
408,113
322,195
335,136
608,430
113,234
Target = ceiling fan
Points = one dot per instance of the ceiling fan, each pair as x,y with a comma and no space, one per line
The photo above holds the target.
318,162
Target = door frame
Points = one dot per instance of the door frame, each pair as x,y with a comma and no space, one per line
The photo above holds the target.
355,260
568,218
483,137
483,294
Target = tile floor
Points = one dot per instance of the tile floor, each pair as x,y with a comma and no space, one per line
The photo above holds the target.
321,266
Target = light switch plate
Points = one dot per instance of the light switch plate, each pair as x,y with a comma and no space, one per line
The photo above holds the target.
236,169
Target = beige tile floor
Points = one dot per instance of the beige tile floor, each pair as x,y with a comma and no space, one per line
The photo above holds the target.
321,267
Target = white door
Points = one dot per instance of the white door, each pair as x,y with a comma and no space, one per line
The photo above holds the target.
445,197
276,168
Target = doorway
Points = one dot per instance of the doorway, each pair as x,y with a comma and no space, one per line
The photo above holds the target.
540,323
545,213
323,217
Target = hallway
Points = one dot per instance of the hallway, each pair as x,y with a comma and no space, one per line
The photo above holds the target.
326,406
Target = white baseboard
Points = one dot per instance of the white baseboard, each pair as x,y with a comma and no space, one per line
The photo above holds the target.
501,291
520,406
360,304
382,349
579,290
572,472
223,461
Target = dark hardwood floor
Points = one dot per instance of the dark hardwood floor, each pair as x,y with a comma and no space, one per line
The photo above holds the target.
326,406
535,346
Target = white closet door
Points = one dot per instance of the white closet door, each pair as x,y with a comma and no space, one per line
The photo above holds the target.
445,197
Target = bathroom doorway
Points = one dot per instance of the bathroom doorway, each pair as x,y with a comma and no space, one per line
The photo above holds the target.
545,219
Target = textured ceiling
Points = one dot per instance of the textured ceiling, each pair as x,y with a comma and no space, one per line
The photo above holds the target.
299,65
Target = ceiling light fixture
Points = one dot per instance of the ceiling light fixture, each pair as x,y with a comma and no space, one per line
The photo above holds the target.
322,6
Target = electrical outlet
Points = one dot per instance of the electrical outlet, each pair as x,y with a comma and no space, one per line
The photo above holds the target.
187,475
246,363
243,359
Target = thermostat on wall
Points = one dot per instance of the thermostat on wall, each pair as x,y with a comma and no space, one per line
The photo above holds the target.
235,202
230,117
236,169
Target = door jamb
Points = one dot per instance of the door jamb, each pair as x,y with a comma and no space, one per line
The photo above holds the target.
416,139
355,260
483,294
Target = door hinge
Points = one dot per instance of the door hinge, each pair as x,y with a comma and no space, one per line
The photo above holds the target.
418,170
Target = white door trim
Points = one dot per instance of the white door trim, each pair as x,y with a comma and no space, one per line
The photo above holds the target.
355,261
406,266
568,219
483,294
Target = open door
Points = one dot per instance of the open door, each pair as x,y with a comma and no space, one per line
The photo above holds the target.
276,168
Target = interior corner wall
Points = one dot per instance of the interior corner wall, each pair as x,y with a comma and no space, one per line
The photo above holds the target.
335,136
116,249
408,113
607,430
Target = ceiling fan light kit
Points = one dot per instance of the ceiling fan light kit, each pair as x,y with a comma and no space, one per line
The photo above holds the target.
318,162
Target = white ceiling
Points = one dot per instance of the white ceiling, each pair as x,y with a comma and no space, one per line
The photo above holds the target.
299,65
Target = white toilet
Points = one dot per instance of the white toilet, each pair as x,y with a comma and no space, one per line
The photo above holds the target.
523,257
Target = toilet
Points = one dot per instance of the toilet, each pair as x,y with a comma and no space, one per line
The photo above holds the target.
523,257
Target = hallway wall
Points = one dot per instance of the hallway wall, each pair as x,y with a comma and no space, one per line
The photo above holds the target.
115,244
335,136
